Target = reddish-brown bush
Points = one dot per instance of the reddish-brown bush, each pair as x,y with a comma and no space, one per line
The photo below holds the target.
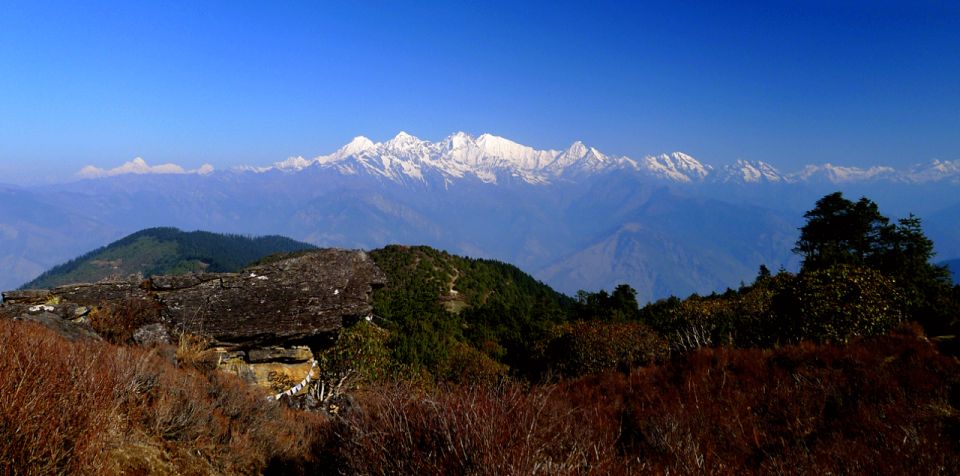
590,347
95,408
876,405
116,322
506,429
879,405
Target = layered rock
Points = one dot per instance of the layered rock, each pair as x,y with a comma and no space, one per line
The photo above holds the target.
289,300
264,322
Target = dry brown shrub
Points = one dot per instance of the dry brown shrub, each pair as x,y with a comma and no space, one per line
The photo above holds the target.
56,406
117,321
506,429
590,347
95,408
194,352
883,405
880,405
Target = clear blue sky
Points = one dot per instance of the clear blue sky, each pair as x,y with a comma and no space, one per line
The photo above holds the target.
228,83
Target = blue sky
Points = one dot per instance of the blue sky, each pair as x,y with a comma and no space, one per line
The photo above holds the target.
227,83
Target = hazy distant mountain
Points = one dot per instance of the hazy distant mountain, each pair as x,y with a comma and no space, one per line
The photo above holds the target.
577,218
36,234
166,251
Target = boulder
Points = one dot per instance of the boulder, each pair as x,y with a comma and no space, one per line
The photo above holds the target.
151,334
68,330
303,299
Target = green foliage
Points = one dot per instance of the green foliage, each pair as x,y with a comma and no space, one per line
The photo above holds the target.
832,304
591,347
166,251
837,303
468,365
434,302
840,232
743,317
360,354
619,306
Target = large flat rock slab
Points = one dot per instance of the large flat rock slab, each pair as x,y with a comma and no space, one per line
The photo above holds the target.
297,298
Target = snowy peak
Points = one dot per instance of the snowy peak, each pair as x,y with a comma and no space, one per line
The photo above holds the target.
138,166
403,142
293,164
840,174
577,150
490,158
678,167
935,171
745,171
358,145
500,152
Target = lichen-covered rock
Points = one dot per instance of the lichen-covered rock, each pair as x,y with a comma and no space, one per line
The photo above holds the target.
274,368
151,334
68,330
279,354
289,300
300,299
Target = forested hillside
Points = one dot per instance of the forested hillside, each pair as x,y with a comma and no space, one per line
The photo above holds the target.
448,311
165,251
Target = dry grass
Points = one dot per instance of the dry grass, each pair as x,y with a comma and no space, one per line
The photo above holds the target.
882,405
96,408
505,429
879,405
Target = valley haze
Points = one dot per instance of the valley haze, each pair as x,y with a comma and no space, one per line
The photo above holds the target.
577,218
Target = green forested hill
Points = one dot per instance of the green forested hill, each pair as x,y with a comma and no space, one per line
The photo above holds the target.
448,308
166,251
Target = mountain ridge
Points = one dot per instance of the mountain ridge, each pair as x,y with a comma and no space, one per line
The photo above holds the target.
488,157
491,158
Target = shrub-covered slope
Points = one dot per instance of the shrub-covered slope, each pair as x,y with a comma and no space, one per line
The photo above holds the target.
448,311
166,251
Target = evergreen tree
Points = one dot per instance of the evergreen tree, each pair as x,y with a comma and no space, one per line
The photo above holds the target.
839,231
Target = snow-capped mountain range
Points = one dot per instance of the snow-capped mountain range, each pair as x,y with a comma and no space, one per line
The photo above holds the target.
577,218
489,158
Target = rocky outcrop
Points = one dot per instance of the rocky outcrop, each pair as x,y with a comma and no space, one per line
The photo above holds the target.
264,323
296,299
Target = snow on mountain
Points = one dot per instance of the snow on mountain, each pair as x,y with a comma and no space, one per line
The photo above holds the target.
579,160
489,158
293,163
935,171
840,174
749,172
485,157
138,166
677,166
